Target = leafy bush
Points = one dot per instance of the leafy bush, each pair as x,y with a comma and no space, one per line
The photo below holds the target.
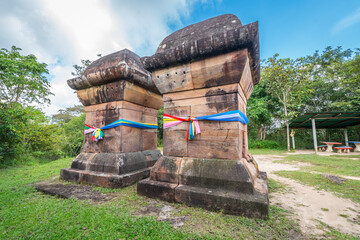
265,144
49,155
11,120
27,136
73,136
160,127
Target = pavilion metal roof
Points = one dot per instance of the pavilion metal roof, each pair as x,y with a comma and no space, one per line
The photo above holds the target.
327,120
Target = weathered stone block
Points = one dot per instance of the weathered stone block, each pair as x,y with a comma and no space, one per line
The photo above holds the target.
209,173
176,79
217,139
121,65
166,169
237,203
111,170
175,143
208,68
122,138
219,70
155,189
214,149
112,88
150,141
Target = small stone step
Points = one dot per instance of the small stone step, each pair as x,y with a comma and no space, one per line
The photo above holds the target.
103,179
77,191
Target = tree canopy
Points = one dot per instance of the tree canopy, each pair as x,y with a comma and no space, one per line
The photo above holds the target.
65,115
80,69
22,78
322,82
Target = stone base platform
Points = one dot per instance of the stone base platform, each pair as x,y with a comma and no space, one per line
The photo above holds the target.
111,170
236,203
216,184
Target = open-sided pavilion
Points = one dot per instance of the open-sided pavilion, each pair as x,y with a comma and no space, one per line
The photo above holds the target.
326,120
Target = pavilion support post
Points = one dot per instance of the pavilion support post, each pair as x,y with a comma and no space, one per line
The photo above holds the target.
293,138
314,134
346,137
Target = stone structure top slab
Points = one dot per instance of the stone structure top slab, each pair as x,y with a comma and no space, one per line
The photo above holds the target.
121,65
211,37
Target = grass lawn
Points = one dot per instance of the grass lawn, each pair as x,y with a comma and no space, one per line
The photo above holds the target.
275,186
346,165
256,151
349,189
334,164
26,214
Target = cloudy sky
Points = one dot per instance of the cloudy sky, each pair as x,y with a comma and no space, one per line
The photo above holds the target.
61,32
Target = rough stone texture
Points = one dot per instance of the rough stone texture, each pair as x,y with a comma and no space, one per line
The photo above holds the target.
223,84
117,91
123,64
112,88
335,179
80,192
211,37
121,138
111,170
208,68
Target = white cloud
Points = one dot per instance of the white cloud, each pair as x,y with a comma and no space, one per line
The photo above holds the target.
61,32
347,21
64,96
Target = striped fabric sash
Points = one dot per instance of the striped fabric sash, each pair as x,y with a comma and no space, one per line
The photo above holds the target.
194,128
98,133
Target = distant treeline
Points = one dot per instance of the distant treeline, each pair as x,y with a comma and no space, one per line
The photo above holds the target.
326,81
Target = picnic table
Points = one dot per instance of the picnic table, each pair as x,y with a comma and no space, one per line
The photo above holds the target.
330,145
322,148
357,145
345,149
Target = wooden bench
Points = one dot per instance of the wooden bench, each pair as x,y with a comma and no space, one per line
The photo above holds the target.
344,149
322,148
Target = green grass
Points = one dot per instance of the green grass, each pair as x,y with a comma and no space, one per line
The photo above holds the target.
232,227
161,148
331,233
276,186
26,214
255,151
349,189
334,164
346,156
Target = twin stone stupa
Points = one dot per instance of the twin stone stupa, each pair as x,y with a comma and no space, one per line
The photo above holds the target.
203,74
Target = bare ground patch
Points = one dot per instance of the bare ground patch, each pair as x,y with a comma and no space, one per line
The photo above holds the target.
162,212
309,205
81,192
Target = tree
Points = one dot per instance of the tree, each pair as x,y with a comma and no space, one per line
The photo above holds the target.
10,118
287,80
25,132
73,135
80,69
65,115
349,86
259,110
22,78
327,71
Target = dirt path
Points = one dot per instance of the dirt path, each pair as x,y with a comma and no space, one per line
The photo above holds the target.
308,204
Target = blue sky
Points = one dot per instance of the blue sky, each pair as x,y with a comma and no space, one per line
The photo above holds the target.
62,32
292,28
